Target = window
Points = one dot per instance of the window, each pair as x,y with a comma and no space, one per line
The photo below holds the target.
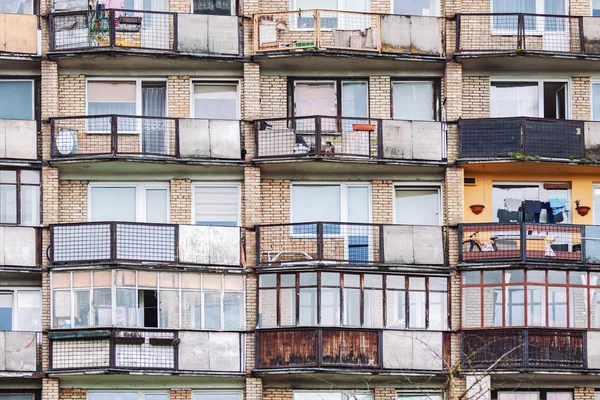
596,8
416,7
23,396
124,298
93,395
217,204
419,396
555,299
353,299
216,100
133,202
20,309
321,98
16,96
417,206
415,100
516,395
529,99
330,395
331,20
20,197
596,98
217,7
532,23
16,7
507,199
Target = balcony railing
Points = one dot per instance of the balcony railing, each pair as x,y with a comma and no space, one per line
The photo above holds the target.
332,242
19,352
120,135
528,242
19,246
19,33
510,32
145,30
545,349
146,349
349,348
18,139
96,242
376,139
346,30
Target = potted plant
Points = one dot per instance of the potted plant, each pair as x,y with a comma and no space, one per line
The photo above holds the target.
477,208
581,210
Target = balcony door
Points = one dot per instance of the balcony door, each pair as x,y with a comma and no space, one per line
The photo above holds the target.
541,99
155,132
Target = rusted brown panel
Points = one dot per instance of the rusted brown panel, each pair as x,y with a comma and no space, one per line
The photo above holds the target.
481,349
556,349
349,347
447,349
287,348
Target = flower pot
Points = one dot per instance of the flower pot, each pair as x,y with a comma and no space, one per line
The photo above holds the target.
477,208
363,127
583,210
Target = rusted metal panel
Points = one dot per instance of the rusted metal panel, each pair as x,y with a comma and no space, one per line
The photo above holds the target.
287,348
350,347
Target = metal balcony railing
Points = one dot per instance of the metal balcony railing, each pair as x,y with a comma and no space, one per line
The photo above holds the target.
509,32
527,242
534,137
332,242
145,30
347,30
546,349
322,136
124,135
131,349
21,352
95,242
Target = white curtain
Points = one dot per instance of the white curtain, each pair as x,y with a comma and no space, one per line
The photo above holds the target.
154,131
413,101
514,100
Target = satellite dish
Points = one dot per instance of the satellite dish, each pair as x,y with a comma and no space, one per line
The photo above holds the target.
66,142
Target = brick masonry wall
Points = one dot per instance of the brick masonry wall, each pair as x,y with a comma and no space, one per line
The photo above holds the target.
476,97
379,96
73,194
73,394
385,393
580,7
581,98
275,201
180,201
178,94
251,105
50,389
180,394
277,394
71,95
273,96
582,393
383,202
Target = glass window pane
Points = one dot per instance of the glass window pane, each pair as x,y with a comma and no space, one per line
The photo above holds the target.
267,308
169,309
215,101
578,308
536,276
438,311
16,97
578,278
6,311
82,308
354,99
8,177
30,177
102,307
30,205
216,205
514,276
8,204
305,197
373,281
113,204
308,306
147,279
471,277
191,312
233,309
61,309
492,306
82,279
308,278
351,280
216,396
415,283
330,306
512,99
438,284
212,281
471,309
515,306
595,311
416,309
396,309
288,280
557,307
315,98
352,307
234,282
395,282
125,278
112,396
413,101
61,280
416,7
492,277
29,312
287,307
536,306
126,307
373,308
212,310
417,207
157,205
330,279
267,280
559,277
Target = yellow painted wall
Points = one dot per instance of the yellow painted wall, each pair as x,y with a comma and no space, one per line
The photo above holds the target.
581,180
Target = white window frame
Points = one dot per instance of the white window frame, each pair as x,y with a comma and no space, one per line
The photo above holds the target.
215,81
594,205
436,14
343,394
71,290
341,6
140,187
416,186
434,100
592,8
540,84
14,290
237,185
337,84
539,26
237,392
32,92
141,393
593,81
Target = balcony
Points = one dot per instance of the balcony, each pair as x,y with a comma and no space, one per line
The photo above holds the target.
18,352
18,139
367,349
529,138
543,349
316,243
325,30
331,137
536,33
131,136
129,242
520,242
144,349
154,31
19,247
19,34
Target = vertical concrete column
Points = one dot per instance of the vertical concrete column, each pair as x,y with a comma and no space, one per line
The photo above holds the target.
251,106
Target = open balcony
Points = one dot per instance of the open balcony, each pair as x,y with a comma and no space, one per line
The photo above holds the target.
315,243
543,349
151,31
366,349
326,30
333,137
529,138
130,242
131,349
534,33
521,242
19,353
133,136
20,247
19,34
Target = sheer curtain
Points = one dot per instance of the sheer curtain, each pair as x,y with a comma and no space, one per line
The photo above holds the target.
413,101
154,131
514,100
510,22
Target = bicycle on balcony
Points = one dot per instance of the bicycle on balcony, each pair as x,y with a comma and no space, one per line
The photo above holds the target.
475,243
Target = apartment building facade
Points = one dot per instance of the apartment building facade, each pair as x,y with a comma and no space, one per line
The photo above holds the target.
219,200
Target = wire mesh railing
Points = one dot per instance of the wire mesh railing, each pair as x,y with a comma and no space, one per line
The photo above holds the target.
113,28
518,31
533,137
523,348
324,136
521,242
125,135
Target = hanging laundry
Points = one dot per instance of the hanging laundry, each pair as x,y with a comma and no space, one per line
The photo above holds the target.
557,205
533,206
505,216
513,204
549,215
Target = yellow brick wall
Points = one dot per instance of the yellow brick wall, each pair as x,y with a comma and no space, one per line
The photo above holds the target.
277,394
583,393
180,394
73,200
180,201
476,97
73,394
275,201
50,389
581,98
379,96
385,393
273,100
383,201
580,7
71,95
178,94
